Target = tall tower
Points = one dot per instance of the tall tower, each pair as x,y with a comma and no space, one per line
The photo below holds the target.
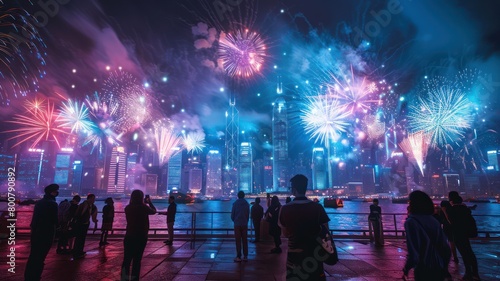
117,170
319,167
280,141
246,175
231,146
214,174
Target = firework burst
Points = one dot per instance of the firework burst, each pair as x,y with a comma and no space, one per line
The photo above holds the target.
416,146
134,102
445,114
194,141
168,142
373,126
38,125
356,94
75,116
21,57
324,119
242,53
102,115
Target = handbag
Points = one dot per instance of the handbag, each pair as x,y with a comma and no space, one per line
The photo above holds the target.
328,248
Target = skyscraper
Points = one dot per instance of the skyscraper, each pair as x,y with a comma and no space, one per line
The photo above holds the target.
174,173
76,181
231,146
280,142
29,172
319,169
246,173
214,174
63,171
117,170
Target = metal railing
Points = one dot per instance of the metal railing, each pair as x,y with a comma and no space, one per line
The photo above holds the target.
194,225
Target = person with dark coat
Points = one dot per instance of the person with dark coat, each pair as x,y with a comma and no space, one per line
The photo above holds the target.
108,215
43,228
256,213
375,220
240,214
446,225
62,229
170,213
86,211
272,215
300,221
428,250
137,213
457,215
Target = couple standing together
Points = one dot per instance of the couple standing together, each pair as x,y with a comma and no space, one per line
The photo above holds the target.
300,221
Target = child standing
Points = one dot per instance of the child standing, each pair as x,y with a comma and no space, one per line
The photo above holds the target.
108,214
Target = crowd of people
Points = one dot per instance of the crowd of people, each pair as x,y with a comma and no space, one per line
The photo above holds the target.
433,233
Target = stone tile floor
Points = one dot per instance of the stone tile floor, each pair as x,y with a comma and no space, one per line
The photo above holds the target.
212,259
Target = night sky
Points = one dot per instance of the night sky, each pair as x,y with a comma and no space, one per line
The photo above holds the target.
306,41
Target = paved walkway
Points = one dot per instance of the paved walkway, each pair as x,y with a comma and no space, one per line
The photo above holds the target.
212,259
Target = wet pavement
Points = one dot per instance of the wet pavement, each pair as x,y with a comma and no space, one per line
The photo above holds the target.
212,259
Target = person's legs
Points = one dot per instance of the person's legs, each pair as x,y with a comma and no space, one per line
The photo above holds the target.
244,237
38,253
170,226
256,226
237,236
468,257
137,258
80,239
128,247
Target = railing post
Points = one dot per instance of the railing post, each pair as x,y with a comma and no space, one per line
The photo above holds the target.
395,225
193,226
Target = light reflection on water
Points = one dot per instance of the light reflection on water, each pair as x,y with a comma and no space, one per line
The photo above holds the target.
340,218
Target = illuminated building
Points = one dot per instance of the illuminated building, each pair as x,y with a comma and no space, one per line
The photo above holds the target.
246,173
214,174
280,142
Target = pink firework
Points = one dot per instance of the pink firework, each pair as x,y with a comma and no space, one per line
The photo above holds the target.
355,94
39,124
242,53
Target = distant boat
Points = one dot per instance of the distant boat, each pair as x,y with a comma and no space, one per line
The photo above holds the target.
330,202
400,200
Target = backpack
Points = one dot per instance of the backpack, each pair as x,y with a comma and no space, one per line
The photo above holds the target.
328,248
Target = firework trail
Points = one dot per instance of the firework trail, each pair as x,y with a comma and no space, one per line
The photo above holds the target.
416,146
75,116
324,118
37,125
445,114
168,143
373,126
21,56
102,115
242,53
194,141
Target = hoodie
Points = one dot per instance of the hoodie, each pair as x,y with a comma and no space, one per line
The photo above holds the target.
240,212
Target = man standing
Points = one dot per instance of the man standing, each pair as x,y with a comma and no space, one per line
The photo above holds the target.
301,221
457,215
375,221
85,211
43,227
170,213
239,215
257,213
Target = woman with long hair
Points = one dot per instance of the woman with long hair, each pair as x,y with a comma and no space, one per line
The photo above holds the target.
271,216
428,250
137,213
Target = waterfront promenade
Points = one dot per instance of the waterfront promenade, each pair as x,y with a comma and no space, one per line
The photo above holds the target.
212,259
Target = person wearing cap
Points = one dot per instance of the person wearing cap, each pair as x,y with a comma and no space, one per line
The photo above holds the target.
43,228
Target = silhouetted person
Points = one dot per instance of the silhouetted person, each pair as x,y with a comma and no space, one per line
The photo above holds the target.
72,221
257,213
43,227
457,215
63,220
84,213
108,215
136,236
446,225
288,199
170,213
428,250
301,221
375,220
240,214
272,215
